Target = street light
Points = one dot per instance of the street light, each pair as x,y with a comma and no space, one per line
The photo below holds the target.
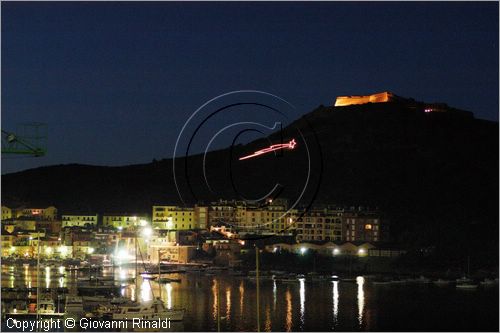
147,232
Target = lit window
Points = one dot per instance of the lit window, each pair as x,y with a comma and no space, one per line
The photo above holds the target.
368,226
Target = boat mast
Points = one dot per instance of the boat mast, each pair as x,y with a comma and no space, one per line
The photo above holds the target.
218,305
468,266
159,273
38,277
258,286
136,276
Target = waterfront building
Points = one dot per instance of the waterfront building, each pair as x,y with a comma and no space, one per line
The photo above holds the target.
124,222
271,217
49,213
176,218
125,246
161,249
223,211
27,223
363,225
360,249
79,220
82,242
50,226
7,243
6,213
320,224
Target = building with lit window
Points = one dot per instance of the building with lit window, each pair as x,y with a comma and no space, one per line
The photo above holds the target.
79,220
49,213
124,221
222,211
272,217
6,213
319,225
175,218
362,225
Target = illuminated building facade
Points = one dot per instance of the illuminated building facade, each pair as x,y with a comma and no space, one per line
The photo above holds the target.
6,213
79,220
320,225
179,218
49,213
223,212
271,217
382,97
362,225
124,222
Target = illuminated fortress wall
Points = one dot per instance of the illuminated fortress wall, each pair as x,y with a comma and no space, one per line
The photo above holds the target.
375,98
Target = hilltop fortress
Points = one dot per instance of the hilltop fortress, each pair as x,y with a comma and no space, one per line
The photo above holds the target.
389,97
382,97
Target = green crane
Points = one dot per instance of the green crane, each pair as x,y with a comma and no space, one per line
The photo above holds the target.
29,139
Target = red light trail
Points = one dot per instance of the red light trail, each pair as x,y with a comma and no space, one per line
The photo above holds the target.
290,145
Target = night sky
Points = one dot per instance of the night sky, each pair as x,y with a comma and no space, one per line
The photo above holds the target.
116,81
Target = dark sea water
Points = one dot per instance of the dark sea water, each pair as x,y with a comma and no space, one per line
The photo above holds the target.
337,306
305,306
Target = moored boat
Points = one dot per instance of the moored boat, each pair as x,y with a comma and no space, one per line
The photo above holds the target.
18,307
46,305
168,280
467,286
441,282
488,282
153,311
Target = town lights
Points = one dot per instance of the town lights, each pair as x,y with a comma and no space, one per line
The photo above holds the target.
63,250
361,252
122,254
143,222
48,251
120,228
147,232
303,250
90,250
336,252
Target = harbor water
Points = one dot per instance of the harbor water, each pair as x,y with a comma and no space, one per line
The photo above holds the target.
220,300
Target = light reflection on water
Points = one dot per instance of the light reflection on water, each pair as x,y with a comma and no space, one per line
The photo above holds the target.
302,301
242,295
275,289
146,295
215,298
267,324
228,303
168,287
284,307
361,298
335,301
289,320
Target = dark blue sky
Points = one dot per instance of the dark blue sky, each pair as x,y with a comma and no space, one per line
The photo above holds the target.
116,81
